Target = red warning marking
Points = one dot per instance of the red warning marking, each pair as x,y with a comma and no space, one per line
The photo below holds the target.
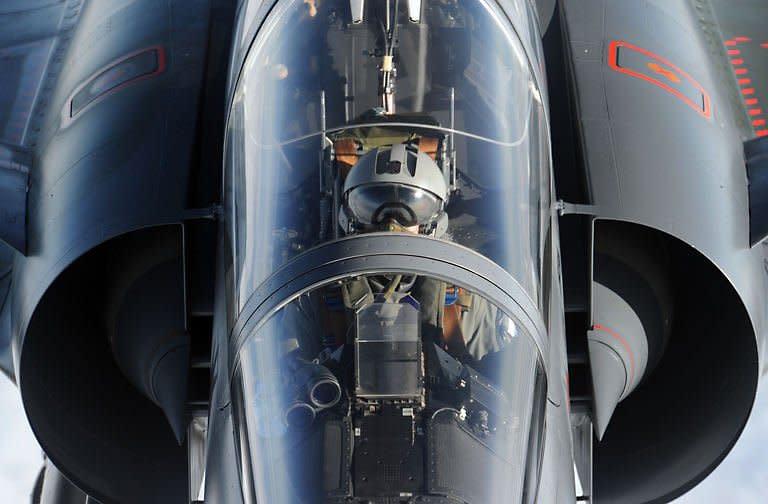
761,133
159,51
748,91
622,342
730,43
755,111
733,52
705,108
744,81
663,71
742,39
737,61
758,122
741,71
751,101
764,46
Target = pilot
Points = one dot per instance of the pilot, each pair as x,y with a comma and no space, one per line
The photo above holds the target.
398,188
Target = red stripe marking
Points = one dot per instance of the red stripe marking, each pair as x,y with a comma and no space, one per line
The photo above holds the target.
742,39
758,122
743,82
748,91
751,101
733,52
765,46
761,133
623,342
755,111
705,110
741,71
730,43
737,61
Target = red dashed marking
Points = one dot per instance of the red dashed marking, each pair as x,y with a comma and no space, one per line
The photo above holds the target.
750,101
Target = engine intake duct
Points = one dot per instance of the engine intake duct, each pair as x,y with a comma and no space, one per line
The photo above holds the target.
148,340
689,405
92,402
631,313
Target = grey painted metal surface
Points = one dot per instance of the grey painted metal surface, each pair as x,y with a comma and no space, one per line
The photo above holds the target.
645,145
662,148
14,179
99,171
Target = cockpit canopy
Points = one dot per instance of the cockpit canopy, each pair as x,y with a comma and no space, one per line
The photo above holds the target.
388,122
389,387
352,117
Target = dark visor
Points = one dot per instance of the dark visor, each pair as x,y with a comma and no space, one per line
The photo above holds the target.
408,205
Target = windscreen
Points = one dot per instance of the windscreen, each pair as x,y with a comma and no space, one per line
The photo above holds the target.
402,116
389,388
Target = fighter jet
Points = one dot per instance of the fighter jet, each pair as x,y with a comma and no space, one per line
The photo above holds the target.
382,251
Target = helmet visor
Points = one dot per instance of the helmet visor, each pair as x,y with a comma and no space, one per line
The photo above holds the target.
380,203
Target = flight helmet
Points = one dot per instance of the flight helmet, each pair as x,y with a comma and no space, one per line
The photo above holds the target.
394,188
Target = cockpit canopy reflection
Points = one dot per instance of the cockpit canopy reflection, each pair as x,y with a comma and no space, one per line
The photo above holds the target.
347,122
390,385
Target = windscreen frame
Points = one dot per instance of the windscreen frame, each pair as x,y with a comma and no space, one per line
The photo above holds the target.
382,252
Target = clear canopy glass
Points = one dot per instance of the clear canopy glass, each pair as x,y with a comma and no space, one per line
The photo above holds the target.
323,86
388,387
